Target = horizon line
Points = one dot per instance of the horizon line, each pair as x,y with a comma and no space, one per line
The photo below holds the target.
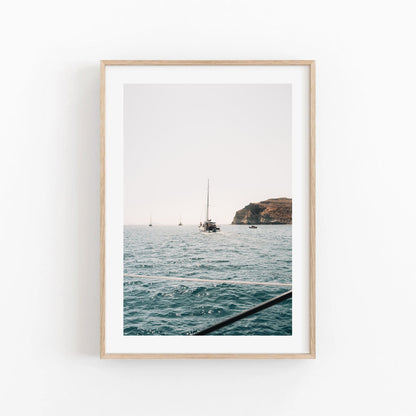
196,225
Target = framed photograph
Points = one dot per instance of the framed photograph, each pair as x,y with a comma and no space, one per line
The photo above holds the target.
207,209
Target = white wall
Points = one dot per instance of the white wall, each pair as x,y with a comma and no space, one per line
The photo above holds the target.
49,161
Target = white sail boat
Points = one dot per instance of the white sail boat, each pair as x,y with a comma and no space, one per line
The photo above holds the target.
150,223
208,226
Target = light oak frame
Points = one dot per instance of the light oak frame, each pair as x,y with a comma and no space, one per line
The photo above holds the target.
312,180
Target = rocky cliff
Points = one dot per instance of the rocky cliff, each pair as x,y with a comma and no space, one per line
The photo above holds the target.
271,211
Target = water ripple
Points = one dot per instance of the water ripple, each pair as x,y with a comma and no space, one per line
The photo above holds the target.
161,307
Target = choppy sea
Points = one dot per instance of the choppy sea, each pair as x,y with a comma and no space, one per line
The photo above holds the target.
165,307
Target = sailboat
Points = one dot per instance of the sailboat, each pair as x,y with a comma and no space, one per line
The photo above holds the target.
150,223
208,226
180,221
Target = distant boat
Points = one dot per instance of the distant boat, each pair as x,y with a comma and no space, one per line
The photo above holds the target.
150,223
252,226
180,222
208,226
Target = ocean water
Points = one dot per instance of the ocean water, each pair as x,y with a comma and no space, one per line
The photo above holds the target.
164,307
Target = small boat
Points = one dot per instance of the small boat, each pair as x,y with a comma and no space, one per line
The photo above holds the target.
208,226
150,223
252,226
180,222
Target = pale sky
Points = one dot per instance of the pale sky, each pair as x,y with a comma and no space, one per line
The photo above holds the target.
178,136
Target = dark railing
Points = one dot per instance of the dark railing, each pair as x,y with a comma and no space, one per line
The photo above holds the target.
246,313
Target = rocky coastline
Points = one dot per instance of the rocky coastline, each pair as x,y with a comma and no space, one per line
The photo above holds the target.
271,211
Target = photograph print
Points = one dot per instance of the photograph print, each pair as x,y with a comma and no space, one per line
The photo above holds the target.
207,233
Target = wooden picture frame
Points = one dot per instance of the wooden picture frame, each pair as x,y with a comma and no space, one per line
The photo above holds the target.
309,66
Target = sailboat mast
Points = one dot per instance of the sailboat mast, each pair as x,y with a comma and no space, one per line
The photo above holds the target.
208,201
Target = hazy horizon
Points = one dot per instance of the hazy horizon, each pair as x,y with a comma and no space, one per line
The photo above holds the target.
178,136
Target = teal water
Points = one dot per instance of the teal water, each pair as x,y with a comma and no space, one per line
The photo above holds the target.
162,307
